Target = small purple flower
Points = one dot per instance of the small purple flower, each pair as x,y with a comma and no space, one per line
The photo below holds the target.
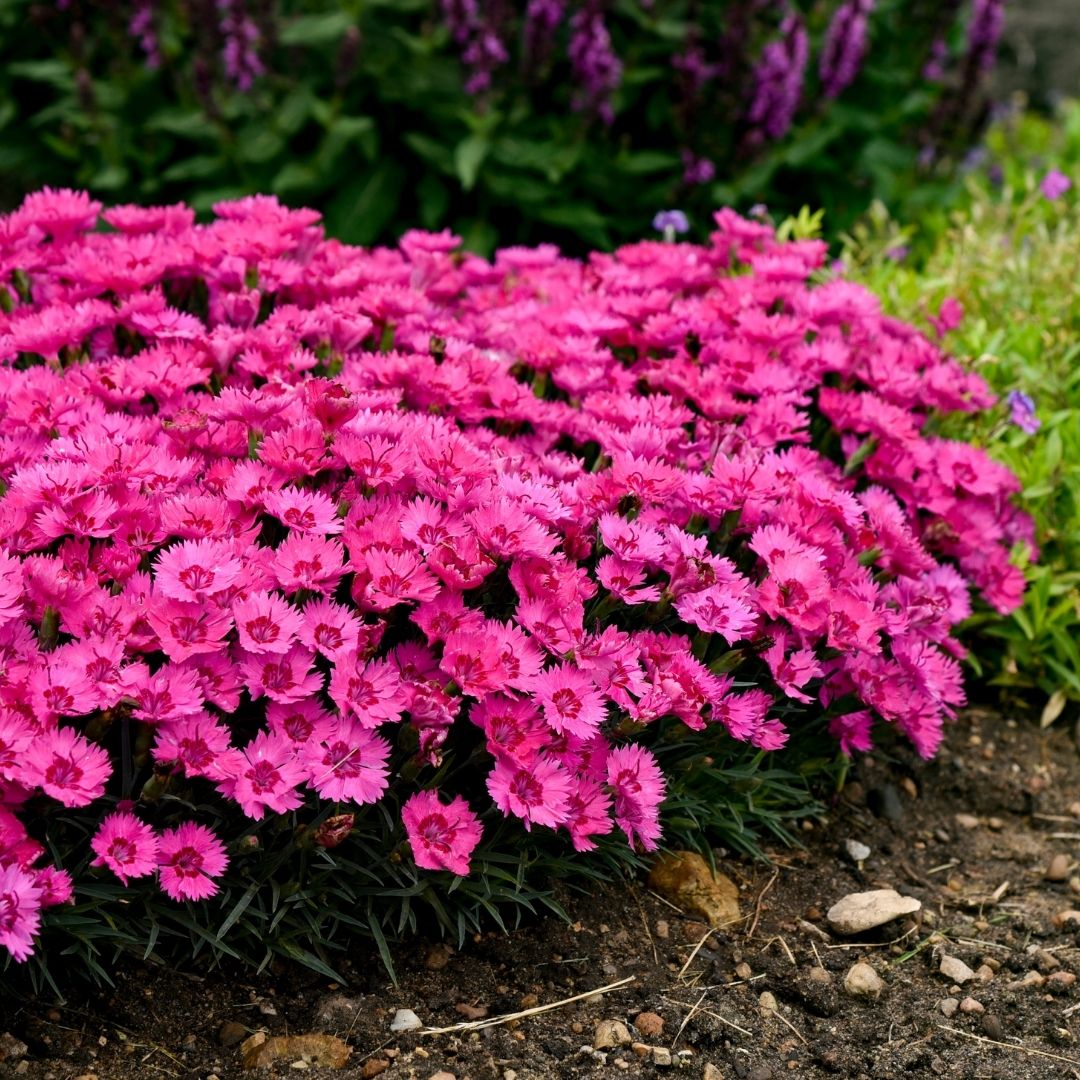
696,170
240,51
898,253
694,68
845,46
670,222
778,80
934,69
542,19
597,71
142,27
1023,411
984,32
1054,185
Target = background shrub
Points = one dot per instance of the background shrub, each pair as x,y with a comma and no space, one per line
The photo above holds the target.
537,122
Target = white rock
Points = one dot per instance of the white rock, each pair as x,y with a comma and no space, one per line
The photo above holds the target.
767,1003
949,1006
863,981
405,1020
856,850
861,911
952,967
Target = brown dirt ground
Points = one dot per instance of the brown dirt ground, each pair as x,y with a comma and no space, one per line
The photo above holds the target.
986,899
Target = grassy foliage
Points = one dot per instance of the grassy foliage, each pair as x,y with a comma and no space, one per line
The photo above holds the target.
1010,255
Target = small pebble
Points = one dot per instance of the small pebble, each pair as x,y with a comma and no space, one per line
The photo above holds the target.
230,1033
1032,978
992,1026
743,971
820,975
970,1005
471,1012
1058,870
863,981
984,973
1063,918
438,956
1061,979
649,1025
405,1020
767,1004
662,929
856,850
661,1055
967,821
949,1006
611,1033
952,967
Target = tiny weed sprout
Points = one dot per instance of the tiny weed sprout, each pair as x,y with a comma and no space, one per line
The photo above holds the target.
295,534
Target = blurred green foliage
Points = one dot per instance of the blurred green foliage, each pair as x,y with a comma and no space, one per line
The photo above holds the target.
362,114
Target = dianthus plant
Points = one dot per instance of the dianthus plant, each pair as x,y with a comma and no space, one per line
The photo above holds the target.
286,525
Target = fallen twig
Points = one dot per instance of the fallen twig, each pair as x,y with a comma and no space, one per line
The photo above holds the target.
757,907
1011,1046
686,1019
697,949
495,1021
709,1012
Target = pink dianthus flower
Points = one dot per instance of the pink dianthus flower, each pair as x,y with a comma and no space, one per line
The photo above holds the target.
442,836
189,858
127,846
67,767
20,910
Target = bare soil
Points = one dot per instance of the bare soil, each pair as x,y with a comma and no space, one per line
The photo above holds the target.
987,899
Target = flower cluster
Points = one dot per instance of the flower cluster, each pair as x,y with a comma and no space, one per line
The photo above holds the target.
778,79
286,522
845,46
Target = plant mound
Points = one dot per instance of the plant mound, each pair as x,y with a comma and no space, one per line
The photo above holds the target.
291,528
